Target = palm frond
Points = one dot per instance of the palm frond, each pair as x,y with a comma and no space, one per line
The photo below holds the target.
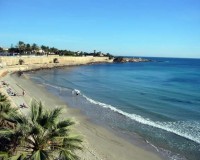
72,143
34,111
54,115
6,108
21,156
67,155
19,118
6,114
39,155
65,123
5,131
40,109
3,98
3,155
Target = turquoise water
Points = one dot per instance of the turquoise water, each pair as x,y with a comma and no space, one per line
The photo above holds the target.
159,101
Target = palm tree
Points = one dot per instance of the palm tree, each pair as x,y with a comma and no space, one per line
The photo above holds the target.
21,46
35,48
28,48
6,124
45,49
6,111
43,136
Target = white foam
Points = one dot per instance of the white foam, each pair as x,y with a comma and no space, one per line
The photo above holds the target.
33,77
187,129
169,154
56,87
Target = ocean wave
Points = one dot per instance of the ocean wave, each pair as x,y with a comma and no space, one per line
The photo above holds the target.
187,129
43,82
61,88
32,77
172,156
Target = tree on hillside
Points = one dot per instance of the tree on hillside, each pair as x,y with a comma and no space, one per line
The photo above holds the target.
28,48
35,48
45,49
53,50
109,55
42,135
21,46
1,49
24,48
13,50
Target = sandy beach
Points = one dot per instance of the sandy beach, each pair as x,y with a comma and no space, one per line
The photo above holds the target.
99,143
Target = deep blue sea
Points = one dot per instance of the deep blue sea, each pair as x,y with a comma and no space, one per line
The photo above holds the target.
159,100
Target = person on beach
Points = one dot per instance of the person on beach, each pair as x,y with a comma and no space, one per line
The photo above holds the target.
4,83
23,106
76,92
23,92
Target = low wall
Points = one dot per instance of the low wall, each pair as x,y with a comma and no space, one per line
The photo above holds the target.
11,64
3,72
28,60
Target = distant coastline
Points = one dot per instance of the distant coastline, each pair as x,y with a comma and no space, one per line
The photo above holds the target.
130,59
28,63
31,62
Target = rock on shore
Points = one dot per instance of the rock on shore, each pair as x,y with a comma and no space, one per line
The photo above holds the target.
123,60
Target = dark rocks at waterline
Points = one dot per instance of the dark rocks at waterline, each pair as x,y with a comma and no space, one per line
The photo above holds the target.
124,60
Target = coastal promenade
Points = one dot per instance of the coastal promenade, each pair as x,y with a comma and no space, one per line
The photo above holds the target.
99,143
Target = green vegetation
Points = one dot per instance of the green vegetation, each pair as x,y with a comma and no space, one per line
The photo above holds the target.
3,99
1,49
21,61
40,136
27,49
6,111
55,60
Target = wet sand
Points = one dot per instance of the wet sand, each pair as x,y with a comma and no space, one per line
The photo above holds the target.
99,143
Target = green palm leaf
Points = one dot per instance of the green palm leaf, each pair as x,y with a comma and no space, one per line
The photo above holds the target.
18,157
41,135
3,98
67,155
39,155
65,123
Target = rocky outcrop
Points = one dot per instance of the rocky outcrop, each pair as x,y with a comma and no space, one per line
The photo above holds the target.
123,60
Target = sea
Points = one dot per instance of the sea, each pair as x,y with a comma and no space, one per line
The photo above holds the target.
159,101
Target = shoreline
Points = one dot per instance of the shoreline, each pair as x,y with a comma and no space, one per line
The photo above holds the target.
98,140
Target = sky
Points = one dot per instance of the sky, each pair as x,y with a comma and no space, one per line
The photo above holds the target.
158,28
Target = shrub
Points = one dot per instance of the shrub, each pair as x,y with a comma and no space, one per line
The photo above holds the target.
21,61
55,60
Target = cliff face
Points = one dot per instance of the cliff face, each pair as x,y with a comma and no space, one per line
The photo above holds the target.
123,60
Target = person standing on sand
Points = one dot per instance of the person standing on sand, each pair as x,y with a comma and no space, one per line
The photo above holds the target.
23,92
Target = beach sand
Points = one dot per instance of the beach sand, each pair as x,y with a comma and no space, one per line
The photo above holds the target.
99,143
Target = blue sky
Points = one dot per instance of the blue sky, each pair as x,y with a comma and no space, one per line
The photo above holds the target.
165,28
